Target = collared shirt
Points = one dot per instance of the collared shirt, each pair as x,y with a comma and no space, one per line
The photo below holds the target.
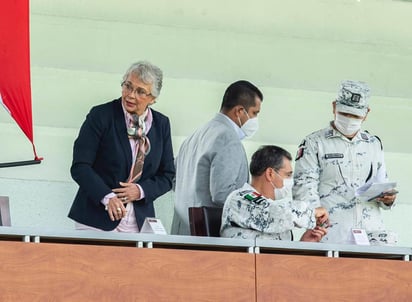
239,131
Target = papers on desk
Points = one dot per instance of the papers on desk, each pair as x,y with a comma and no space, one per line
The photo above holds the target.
369,192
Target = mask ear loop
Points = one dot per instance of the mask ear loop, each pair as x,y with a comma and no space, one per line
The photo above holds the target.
273,185
240,123
247,114
283,179
238,117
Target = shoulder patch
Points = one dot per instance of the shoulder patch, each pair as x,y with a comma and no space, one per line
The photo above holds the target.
253,196
259,200
364,136
301,150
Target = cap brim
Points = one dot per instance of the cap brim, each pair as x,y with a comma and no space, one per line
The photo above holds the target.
351,110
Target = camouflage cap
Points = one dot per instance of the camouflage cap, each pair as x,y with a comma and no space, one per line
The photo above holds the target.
353,98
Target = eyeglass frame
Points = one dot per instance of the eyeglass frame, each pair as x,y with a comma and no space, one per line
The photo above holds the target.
139,91
277,170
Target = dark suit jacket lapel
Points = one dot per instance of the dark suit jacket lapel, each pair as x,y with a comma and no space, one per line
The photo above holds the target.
121,132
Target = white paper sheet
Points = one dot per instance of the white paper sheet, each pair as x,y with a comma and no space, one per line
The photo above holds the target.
371,191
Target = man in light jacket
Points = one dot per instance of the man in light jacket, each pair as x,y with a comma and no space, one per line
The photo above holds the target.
212,162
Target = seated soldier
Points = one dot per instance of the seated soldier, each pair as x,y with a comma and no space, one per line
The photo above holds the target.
264,209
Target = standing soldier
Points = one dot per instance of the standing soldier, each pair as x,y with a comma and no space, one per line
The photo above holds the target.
334,162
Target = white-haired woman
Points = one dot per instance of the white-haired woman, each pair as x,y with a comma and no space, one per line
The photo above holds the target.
123,156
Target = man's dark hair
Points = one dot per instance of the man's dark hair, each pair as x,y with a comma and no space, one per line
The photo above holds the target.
268,156
240,93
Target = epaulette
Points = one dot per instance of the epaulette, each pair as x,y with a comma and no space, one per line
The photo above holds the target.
364,136
329,133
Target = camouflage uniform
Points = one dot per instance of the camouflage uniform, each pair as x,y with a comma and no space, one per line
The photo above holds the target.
328,170
247,214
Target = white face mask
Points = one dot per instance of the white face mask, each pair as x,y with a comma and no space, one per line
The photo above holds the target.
286,190
250,127
347,125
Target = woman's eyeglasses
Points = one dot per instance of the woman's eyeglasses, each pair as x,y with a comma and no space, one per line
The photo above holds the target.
139,92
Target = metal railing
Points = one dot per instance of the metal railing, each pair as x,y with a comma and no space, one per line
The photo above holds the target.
256,246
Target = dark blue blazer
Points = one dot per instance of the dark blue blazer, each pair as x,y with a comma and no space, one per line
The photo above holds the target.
102,157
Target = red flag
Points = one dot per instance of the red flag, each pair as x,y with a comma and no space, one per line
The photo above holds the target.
15,88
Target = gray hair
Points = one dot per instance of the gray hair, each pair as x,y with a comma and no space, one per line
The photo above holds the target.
148,74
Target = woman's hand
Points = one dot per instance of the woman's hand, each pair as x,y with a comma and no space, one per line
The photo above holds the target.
116,209
128,192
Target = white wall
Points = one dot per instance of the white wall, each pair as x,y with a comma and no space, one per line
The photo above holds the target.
296,51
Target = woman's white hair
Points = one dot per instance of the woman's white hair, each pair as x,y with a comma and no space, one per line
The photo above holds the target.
148,74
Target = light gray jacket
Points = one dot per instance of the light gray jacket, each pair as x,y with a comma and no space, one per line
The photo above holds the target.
211,163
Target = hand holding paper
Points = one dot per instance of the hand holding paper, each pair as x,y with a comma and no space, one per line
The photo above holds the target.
388,197
377,190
